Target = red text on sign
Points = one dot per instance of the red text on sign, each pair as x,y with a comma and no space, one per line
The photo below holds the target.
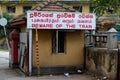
85,26
69,26
58,25
66,15
42,25
40,14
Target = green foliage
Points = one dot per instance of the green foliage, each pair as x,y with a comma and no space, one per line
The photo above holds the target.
102,6
19,1
107,3
1,33
7,16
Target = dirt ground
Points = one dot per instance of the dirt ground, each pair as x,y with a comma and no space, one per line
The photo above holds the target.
7,73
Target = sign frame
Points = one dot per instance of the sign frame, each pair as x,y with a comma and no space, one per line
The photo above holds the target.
60,20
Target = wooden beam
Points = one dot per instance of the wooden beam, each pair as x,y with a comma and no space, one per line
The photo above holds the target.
37,56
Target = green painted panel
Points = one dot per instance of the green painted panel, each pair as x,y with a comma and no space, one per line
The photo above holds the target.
118,27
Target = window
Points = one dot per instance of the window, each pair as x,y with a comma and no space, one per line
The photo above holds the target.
58,42
92,9
79,8
11,9
26,8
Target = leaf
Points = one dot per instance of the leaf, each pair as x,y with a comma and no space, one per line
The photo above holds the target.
102,6
21,1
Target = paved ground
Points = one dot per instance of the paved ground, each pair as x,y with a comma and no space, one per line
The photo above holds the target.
7,73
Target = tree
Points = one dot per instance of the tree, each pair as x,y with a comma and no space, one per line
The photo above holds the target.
19,0
102,6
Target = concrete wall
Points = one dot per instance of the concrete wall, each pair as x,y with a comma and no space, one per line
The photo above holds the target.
74,48
85,8
73,57
102,62
19,6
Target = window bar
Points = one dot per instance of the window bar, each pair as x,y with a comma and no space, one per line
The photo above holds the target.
56,41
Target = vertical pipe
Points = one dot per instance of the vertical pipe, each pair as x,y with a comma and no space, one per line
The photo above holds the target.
30,52
118,65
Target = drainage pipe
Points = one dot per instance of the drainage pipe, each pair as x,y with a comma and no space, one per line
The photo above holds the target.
30,52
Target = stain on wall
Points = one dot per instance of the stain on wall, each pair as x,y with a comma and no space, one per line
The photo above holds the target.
102,62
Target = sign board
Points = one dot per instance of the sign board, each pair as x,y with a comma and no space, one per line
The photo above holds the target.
60,20
3,22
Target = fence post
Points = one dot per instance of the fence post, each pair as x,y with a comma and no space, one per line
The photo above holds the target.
87,38
112,39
